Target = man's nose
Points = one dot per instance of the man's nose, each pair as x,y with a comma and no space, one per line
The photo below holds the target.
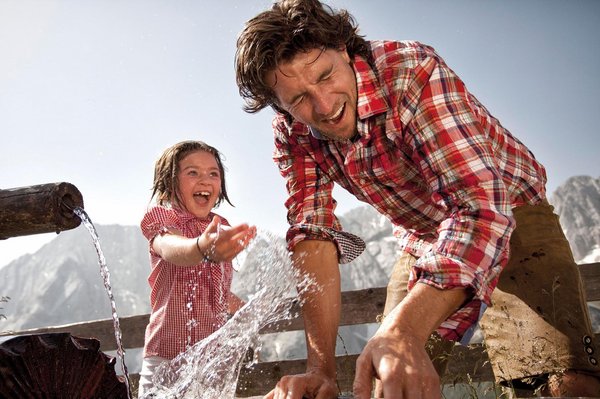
322,104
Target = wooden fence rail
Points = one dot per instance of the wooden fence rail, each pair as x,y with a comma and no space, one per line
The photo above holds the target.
358,307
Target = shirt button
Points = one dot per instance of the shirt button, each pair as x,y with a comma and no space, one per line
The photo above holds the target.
589,350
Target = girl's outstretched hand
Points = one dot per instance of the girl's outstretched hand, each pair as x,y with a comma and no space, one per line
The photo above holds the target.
219,243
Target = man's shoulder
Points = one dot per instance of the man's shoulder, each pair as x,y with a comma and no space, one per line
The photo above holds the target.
407,53
408,46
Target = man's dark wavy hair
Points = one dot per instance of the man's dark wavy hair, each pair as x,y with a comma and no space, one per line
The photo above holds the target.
277,35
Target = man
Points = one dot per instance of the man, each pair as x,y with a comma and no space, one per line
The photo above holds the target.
392,124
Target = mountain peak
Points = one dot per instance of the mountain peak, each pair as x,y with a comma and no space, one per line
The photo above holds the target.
577,202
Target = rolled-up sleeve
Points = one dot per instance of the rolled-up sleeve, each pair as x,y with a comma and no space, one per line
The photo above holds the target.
310,203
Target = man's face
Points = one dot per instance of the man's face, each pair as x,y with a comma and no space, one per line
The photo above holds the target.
318,88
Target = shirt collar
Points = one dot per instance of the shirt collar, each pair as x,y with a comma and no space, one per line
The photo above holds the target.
316,134
371,98
187,217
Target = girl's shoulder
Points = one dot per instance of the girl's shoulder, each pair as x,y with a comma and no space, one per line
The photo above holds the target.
159,211
158,217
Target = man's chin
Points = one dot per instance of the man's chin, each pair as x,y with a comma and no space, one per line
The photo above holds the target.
339,136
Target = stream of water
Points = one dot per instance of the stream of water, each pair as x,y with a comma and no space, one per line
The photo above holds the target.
105,273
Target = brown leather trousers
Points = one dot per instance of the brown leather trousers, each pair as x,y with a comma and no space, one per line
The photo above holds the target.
538,323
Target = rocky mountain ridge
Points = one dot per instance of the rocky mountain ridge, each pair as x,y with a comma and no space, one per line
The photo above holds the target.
577,202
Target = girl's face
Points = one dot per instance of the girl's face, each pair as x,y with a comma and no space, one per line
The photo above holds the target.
199,182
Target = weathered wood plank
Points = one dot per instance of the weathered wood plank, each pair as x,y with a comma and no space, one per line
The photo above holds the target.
590,274
132,331
359,307
363,306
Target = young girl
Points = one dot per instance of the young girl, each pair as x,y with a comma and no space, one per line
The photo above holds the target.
190,253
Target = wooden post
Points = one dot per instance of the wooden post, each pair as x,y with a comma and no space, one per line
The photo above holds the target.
43,208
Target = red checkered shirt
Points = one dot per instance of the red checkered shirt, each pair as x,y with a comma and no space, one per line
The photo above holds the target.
188,302
431,158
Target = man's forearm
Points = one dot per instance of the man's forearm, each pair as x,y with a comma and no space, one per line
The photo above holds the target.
322,302
423,310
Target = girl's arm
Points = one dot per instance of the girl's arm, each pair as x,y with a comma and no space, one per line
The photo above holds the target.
177,249
215,244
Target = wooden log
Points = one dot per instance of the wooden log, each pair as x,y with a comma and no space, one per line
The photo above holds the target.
43,208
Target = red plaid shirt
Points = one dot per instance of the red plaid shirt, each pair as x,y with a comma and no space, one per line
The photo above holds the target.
431,158
188,302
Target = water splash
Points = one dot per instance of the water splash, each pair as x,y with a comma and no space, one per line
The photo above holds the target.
104,272
210,368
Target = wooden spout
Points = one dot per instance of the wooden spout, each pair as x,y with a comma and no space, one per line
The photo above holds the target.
43,208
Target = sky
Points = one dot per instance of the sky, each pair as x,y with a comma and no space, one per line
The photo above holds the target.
92,92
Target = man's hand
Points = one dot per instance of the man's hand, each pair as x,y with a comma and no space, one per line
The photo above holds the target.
401,366
396,354
311,385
